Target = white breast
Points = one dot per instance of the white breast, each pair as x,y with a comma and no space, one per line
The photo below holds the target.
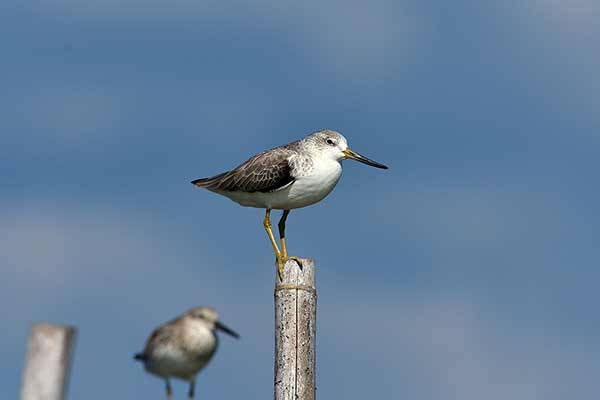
313,186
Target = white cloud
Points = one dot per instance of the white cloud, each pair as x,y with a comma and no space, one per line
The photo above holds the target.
68,251
76,112
572,15
48,248
447,347
351,41
560,39
437,345
65,117
476,221
86,118
357,40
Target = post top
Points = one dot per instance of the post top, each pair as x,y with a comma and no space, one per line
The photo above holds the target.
295,277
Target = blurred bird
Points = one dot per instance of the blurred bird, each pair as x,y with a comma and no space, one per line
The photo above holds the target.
292,176
182,347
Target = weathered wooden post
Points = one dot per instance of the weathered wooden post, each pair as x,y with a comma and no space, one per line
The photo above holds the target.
47,365
295,332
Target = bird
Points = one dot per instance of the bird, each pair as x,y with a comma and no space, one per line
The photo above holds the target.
182,347
287,177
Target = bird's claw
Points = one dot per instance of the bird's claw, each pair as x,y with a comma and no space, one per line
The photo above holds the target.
281,260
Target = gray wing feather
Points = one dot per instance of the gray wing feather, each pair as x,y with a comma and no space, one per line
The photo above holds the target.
160,335
265,172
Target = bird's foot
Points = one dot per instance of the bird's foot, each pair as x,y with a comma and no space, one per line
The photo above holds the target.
281,260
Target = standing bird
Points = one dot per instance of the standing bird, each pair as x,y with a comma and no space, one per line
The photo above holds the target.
182,347
295,175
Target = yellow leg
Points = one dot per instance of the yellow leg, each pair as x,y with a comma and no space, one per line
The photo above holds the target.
269,229
278,255
281,257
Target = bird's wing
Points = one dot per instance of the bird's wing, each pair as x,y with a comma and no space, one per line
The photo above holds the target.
163,333
269,171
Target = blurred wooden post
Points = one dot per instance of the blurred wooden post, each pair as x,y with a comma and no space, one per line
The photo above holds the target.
48,360
295,332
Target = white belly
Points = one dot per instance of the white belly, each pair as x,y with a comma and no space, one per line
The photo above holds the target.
175,366
304,191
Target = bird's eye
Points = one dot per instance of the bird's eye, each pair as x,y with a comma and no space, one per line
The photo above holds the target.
330,141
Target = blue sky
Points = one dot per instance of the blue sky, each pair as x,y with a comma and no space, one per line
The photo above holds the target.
466,271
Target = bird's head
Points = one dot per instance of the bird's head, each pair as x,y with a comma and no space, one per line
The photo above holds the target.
334,145
210,318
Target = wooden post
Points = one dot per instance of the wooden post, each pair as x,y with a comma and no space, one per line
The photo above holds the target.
295,332
48,362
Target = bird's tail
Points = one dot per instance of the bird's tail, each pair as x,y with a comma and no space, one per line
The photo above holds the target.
139,357
209,183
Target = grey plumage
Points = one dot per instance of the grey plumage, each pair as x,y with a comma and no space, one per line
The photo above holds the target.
265,172
268,171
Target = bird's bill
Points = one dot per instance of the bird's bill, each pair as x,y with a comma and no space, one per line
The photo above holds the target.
359,157
222,327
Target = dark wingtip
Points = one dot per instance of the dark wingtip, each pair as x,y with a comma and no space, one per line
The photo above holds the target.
202,182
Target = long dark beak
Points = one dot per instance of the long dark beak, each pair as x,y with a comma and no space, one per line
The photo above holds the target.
359,157
222,327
